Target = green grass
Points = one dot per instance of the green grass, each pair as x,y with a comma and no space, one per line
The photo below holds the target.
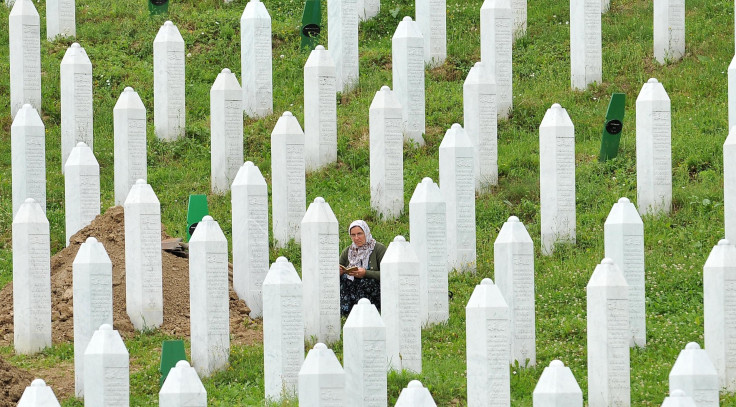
118,37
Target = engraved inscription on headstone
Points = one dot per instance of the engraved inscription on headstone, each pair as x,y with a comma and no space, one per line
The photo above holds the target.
226,121
653,149
387,154
60,19
496,33
364,356
586,60
255,60
669,30
76,100
479,115
168,83
129,117
24,28
28,155
408,78
320,110
81,189
342,41
431,15
106,369
287,179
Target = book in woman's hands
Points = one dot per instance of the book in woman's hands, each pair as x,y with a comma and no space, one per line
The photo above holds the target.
347,271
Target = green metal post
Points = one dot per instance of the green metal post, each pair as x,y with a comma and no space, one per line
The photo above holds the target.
614,124
197,210
311,24
158,6
171,352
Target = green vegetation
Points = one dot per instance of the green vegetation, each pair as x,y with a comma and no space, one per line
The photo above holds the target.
118,37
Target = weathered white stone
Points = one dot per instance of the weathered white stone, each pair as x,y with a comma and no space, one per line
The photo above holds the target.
129,117
431,15
169,111
250,236
479,115
557,178
678,398
457,183
81,190
496,38
400,306
732,93
586,49
106,369
653,149
183,386
92,296
513,258
143,285
28,155
387,154
415,395
76,99
320,254
608,341
519,9
255,60
624,244
60,19
487,345
38,394
283,330
669,30
367,9
321,378
288,185
428,231
557,387
320,110
24,28
209,298
719,298
729,183
694,373
31,279
407,56
342,41
226,121
364,356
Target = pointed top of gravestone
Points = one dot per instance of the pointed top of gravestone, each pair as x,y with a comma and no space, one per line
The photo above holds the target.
319,199
168,23
30,211
38,394
129,99
721,256
415,384
694,361
723,242
364,315
513,231
81,155
487,295
408,29
321,58
400,252
168,33
557,380
456,137
478,75
426,191
76,45
556,116
226,80
282,259
319,48
182,363
208,230
513,219
385,88
624,212
207,218
287,125
624,200
255,9
91,240
282,272
607,274
556,106
92,252
225,71
407,18
183,379
415,395
652,80
23,8
486,281
106,341
653,91
320,211
38,383
321,361
76,55
320,346
249,174
692,346
556,363
141,192
399,239
385,99
27,116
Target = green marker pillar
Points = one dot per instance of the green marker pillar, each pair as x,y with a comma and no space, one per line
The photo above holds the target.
158,6
311,21
171,352
614,124
197,210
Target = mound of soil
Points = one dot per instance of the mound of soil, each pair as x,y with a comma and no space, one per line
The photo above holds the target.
109,229
13,382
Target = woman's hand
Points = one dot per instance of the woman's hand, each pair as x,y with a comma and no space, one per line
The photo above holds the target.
359,273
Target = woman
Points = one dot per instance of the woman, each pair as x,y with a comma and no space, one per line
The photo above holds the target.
360,268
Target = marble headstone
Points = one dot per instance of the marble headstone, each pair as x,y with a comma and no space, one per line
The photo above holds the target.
60,19
732,93
226,140
364,356
586,50
169,112
106,369
182,387
407,56
255,60
557,387
387,154
321,378
367,9
415,395
129,117
678,398
669,30
479,115
81,189
38,394
28,155
694,373
431,15
519,9
342,41
653,149
320,110
76,99
24,28
288,188
496,37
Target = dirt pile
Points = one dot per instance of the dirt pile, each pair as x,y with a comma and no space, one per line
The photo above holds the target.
12,383
109,229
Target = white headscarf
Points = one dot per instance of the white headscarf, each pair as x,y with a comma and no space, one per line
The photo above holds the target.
358,256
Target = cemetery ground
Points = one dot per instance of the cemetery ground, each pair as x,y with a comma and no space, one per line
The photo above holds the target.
118,37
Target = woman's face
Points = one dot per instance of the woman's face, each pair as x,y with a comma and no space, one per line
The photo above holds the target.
358,236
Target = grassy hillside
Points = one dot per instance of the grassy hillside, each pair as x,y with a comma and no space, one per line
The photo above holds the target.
118,37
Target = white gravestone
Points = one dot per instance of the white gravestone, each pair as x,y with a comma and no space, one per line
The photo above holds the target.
320,110
76,100
513,258
431,15
209,298
719,298
226,121
400,306
415,395
60,19
732,93
38,394
81,190
729,183
364,356
169,112
387,154
407,56
250,236
342,41
557,178
106,369
24,26
653,149
320,254
586,50
624,244
479,116
28,152
496,37
678,398
669,30
519,10
143,285
288,185
428,231
129,117
255,60
321,379
557,387
608,337
694,373
92,296
31,279
182,387
367,9
457,183
487,345
283,330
